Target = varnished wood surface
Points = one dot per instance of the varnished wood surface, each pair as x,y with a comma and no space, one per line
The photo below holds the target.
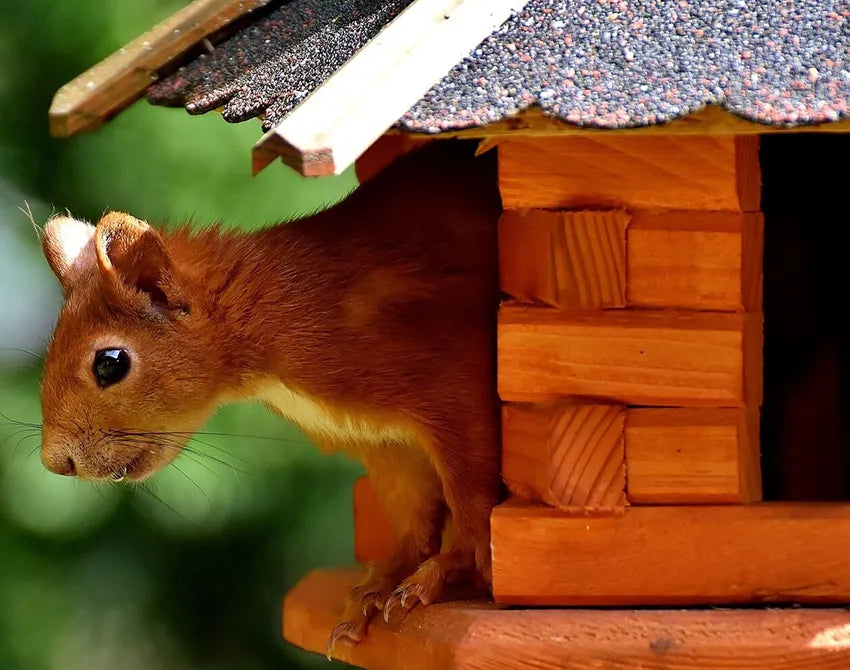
643,172
635,357
573,259
673,555
568,455
479,636
682,455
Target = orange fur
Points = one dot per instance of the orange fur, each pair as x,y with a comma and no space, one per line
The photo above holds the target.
375,319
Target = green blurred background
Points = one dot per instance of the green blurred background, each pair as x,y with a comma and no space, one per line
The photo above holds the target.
101,577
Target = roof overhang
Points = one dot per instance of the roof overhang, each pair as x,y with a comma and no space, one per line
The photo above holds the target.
363,99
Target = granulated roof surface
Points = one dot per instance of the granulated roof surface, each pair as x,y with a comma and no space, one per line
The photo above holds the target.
604,63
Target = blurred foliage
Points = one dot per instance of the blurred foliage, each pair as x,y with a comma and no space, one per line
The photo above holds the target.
191,573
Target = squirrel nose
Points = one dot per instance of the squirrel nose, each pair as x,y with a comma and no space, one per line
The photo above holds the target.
59,463
68,468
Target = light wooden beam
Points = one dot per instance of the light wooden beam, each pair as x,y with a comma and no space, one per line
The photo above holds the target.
680,455
569,455
467,636
592,259
677,555
662,358
85,103
364,98
637,172
574,259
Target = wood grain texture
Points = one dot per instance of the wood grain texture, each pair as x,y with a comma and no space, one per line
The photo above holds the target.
564,259
695,260
102,91
672,455
568,455
374,537
704,173
479,636
692,455
640,357
678,555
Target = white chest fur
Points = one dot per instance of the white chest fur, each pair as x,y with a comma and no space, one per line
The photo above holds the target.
312,418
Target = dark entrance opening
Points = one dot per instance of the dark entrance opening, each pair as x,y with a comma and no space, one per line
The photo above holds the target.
806,204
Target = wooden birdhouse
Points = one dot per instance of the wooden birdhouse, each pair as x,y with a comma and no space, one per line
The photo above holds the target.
631,335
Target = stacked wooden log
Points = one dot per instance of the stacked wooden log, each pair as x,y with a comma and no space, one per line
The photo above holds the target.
630,356
630,370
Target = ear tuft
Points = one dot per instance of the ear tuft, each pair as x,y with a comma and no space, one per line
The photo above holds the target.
68,245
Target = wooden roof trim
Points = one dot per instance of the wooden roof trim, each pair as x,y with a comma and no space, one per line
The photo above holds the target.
327,132
532,122
85,103
477,635
710,120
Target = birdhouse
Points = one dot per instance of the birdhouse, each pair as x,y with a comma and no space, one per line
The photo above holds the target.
631,335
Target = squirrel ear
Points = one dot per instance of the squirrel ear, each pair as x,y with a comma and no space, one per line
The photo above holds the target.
133,261
68,246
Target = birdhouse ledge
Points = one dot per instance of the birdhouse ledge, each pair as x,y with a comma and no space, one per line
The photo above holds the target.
478,635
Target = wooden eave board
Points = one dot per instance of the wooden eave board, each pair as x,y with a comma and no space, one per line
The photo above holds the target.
480,636
327,132
99,93
711,120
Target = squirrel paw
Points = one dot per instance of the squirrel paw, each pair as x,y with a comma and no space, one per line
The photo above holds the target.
363,602
423,586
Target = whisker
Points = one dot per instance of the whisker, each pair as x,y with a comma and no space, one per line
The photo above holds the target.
268,438
22,350
159,441
30,431
144,487
22,366
200,463
20,441
15,422
194,483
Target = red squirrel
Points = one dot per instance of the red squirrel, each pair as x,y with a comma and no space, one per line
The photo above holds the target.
370,325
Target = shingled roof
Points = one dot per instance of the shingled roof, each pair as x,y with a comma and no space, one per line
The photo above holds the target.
605,63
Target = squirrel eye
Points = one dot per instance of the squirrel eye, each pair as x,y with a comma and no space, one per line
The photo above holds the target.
110,366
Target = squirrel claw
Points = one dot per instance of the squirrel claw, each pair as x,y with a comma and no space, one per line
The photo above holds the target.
353,630
407,595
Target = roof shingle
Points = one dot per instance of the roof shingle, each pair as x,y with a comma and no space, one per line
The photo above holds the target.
605,63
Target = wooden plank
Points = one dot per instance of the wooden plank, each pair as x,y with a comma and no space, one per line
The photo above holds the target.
705,173
567,455
478,636
634,357
672,455
374,537
710,120
99,93
692,455
695,260
678,555
571,259
680,259
329,130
